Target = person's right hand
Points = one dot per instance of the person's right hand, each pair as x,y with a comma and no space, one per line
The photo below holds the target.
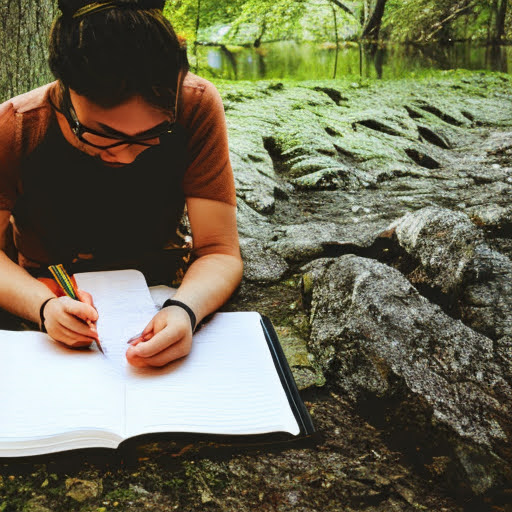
65,320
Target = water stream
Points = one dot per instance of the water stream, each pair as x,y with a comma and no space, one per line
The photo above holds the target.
309,61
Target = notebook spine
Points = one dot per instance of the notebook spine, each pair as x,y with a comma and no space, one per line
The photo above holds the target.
288,382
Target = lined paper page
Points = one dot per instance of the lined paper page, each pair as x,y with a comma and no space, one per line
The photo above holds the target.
124,306
48,389
226,385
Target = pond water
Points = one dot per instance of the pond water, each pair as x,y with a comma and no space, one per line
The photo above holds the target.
308,61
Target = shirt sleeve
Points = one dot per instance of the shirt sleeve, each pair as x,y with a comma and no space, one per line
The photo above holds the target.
8,157
209,174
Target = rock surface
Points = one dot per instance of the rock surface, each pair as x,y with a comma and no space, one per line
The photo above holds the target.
323,170
377,338
475,280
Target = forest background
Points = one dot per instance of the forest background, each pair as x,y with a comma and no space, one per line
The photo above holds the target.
233,39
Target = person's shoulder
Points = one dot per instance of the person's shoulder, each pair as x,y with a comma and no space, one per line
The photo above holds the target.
23,118
200,97
195,85
30,101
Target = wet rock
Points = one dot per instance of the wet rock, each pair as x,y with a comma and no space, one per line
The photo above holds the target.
486,296
252,224
260,263
82,490
377,338
37,504
301,242
324,179
443,240
454,257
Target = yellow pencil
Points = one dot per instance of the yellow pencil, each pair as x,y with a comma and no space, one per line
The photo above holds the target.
66,284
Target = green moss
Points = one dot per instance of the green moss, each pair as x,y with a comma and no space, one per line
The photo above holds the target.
121,495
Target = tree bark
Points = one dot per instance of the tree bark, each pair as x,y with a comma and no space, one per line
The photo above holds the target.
501,14
372,28
24,30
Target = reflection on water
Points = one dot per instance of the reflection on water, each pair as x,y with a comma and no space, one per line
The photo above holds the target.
307,61
297,61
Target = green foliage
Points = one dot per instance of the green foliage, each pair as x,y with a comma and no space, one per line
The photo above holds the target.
254,21
183,14
250,21
431,20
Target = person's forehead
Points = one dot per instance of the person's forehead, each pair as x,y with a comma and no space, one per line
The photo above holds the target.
133,117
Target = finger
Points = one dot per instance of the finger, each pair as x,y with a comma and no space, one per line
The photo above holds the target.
172,353
135,341
134,360
85,297
70,338
148,329
77,326
80,310
160,341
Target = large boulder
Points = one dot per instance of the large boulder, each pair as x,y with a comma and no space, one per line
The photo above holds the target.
452,255
380,341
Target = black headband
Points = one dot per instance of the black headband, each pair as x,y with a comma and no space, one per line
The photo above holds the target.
70,7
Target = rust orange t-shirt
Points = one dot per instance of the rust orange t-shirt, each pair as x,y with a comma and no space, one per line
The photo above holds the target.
25,118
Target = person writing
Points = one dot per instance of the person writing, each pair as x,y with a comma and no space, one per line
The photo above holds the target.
98,167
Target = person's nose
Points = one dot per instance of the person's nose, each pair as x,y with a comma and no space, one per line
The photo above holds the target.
124,154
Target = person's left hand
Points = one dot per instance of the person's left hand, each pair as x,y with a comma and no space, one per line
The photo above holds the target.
167,337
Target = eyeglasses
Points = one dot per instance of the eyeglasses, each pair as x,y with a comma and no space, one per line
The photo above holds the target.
102,140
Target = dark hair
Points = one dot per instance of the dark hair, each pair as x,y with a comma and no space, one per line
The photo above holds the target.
114,54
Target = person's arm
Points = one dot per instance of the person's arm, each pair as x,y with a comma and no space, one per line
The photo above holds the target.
208,283
23,295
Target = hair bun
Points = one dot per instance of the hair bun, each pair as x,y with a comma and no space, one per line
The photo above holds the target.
69,7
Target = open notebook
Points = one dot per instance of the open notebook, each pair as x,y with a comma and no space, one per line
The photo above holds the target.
235,381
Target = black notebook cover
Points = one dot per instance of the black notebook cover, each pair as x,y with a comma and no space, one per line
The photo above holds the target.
288,382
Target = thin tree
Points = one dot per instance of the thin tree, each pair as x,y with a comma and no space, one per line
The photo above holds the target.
337,41
501,14
372,28
198,22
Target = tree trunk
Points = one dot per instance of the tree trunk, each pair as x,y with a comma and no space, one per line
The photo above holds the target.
198,24
501,14
337,42
257,42
372,28
24,30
